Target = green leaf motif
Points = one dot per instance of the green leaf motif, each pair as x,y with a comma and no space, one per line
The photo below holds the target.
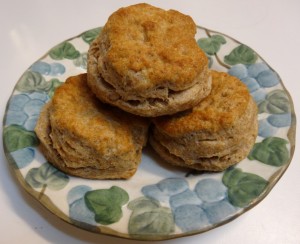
242,54
276,102
149,218
243,187
54,84
47,176
32,81
271,151
81,61
90,35
106,204
16,137
211,45
64,50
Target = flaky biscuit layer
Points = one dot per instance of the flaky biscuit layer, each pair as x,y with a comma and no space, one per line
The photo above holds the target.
79,134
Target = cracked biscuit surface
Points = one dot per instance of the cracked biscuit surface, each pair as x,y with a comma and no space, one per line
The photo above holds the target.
146,61
217,133
84,137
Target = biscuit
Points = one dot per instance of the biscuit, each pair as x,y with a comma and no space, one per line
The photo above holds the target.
84,137
146,61
217,133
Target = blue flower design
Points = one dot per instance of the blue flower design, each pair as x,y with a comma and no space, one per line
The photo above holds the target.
193,209
165,188
183,198
78,210
257,77
190,217
217,211
210,190
53,69
265,129
280,120
23,157
269,126
23,109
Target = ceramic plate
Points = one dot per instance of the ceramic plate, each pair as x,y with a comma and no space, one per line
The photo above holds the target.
159,201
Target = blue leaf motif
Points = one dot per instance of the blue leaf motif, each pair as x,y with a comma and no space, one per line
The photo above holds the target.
30,123
39,96
24,109
255,69
57,69
183,198
165,188
190,217
219,211
77,193
78,211
251,83
259,95
210,190
33,107
41,67
265,129
267,78
239,70
248,75
15,117
23,157
16,103
280,120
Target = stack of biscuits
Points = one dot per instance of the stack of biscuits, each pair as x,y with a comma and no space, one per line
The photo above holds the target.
146,74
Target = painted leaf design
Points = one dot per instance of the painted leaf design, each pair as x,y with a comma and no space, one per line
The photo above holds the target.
90,35
46,176
190,217
267,78
243,187
78,211
32,81
81,61
64,50
23,157
149,218
211,45
271,151
24,109
44,68
54,84
106,204
16,137
280,120
242,54
276,102
165,188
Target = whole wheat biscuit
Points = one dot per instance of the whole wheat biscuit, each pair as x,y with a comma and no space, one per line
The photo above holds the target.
210,163
146,61
84,137
214,135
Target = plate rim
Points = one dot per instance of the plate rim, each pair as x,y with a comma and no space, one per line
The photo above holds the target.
101,229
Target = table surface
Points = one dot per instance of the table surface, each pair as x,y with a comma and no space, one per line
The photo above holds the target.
30,28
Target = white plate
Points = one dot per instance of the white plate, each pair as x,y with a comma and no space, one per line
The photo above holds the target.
159,201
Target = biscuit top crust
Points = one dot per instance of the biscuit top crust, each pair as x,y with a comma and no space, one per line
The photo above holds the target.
157,46
227,102
76,111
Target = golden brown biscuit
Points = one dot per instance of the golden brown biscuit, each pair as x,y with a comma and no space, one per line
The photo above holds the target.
84,137
147,62
214,135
